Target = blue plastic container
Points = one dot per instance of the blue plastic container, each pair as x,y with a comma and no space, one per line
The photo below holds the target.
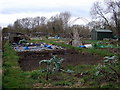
25,48
45,45
82,46
49,46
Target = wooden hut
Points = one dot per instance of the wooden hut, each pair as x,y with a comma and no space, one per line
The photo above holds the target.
14,37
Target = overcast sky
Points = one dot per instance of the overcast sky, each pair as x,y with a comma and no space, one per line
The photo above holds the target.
11,10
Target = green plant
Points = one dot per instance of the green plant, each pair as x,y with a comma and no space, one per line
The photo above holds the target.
35,75
109,70
53,65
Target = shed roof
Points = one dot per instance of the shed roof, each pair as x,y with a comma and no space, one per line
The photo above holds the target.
17,33
103,30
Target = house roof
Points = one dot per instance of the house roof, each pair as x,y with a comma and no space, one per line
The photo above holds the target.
103,30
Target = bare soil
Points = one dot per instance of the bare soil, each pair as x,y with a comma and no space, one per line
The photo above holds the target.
29,60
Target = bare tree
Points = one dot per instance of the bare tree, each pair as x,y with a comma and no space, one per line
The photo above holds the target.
114,8
0,38
65,17
107,12
57,25
98,12
52,25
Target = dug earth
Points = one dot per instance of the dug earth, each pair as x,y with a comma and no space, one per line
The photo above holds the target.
29,60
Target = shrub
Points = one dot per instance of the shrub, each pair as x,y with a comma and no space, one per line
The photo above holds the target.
109,70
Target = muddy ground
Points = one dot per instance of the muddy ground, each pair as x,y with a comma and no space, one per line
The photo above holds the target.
29,60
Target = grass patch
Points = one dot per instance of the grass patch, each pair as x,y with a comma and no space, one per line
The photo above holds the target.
98,52
91,50
83,76
62,83
13,76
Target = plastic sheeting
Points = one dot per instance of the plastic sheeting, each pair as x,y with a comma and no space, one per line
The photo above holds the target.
35,47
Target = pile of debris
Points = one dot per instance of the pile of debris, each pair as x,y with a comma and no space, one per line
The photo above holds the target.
34,47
